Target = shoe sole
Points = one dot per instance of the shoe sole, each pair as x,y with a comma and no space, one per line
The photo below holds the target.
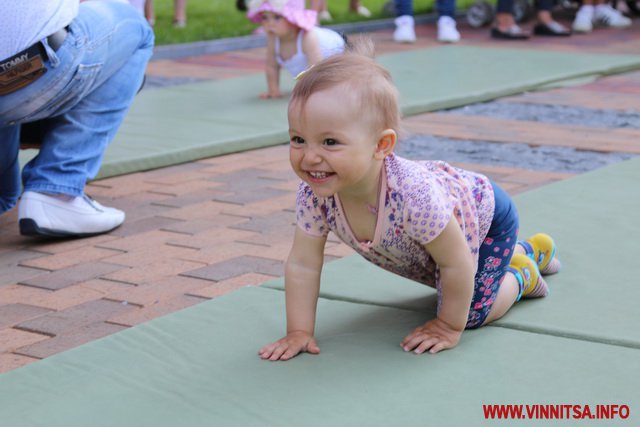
28,227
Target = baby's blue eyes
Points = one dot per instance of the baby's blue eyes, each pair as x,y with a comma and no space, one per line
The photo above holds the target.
330,141
297,140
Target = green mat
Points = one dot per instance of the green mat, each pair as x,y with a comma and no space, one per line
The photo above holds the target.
199,367
194,121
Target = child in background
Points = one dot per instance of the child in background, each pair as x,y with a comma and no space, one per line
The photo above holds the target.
445,227
293,40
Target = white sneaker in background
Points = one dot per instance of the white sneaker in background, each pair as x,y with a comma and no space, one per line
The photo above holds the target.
325,16
363,11
583,22
47,215
608,16
405,29
447,31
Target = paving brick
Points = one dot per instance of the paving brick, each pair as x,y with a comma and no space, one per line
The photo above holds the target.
256,195
53,300
14,257
577,97
238,266
156,310
16,273
70,339
10,339
124,185
144,224
153,272
65,321
196,226
225,251
204,210
148,238
174,174
12,314
225,286
11,361
70,258
268,224
72,275
263,207
158,291
212,238
66,245
148,255
533,133
185,194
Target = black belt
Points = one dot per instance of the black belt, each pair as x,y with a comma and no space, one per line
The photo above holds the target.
27,66
56,39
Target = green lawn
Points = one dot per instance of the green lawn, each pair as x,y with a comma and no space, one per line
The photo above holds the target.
215,19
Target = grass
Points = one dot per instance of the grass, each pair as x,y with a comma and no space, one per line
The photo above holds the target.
215,19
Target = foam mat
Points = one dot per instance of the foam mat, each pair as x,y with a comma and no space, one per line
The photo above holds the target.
193,121
199,367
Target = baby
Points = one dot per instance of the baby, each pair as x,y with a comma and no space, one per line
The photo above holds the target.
293,40
442,226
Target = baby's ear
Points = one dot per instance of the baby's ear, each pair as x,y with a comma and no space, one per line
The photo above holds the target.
386,143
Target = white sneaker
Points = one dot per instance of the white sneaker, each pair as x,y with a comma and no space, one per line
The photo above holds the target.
43,215
325,16
363,11
405,29
583,22
608,16
447,31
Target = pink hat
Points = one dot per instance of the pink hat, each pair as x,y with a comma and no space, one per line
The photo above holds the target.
292,10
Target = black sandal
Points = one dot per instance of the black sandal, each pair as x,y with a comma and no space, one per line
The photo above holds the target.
513,33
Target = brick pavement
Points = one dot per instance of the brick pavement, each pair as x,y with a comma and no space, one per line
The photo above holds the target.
199,230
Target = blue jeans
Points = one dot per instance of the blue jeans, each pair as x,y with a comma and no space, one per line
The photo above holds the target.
494,257
84,95
444,7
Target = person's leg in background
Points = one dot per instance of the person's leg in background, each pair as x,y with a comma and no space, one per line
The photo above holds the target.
405,24
447,31
356,7
9,167
505,26
546,25
180,13
598,11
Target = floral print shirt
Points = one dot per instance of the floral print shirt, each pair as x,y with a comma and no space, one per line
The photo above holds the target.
416,202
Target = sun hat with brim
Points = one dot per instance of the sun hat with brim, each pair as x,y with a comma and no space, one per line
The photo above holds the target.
292,10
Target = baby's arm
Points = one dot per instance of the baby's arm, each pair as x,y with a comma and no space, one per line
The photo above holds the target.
450,251
272,69
302,285
311,47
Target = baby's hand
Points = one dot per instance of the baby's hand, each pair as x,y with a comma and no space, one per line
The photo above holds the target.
290,346
435,335
271,95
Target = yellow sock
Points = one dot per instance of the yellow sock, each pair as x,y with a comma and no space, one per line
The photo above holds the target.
532,285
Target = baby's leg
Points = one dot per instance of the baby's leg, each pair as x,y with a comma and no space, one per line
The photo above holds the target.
507,295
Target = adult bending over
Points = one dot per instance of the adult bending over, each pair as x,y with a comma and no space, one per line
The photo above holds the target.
73,68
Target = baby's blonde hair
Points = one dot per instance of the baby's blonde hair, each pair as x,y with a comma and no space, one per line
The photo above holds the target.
357,69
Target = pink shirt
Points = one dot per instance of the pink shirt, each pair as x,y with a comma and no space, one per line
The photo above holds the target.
417,199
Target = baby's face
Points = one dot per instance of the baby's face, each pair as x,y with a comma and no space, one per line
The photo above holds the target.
276,24
332,143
